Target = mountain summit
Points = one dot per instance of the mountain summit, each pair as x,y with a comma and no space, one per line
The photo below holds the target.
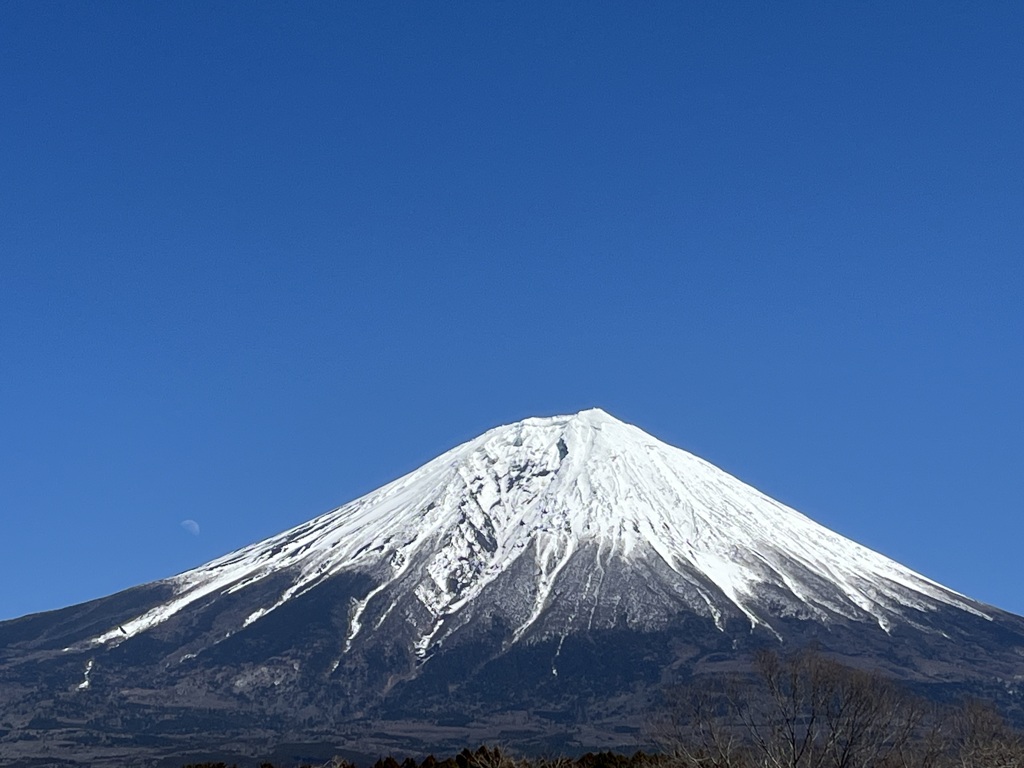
569,566
556,523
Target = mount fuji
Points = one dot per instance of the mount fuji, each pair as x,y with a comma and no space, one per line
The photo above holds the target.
538,584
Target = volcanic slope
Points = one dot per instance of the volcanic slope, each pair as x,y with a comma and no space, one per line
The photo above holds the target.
569,565
586,510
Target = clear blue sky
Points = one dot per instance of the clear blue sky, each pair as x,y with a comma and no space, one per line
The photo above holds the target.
257,259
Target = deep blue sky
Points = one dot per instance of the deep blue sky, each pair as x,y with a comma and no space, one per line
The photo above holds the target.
257,259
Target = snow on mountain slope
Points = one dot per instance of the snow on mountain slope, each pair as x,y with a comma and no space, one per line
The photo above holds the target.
580,503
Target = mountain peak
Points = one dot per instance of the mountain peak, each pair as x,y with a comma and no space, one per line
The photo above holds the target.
592,432
586,494
589,417
545,563
595,416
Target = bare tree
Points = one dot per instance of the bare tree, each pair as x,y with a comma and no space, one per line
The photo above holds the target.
784,715
867,718
696,730
985,740
927,746
803,711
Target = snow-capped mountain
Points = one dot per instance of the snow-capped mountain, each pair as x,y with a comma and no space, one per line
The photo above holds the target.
584,505
568,564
